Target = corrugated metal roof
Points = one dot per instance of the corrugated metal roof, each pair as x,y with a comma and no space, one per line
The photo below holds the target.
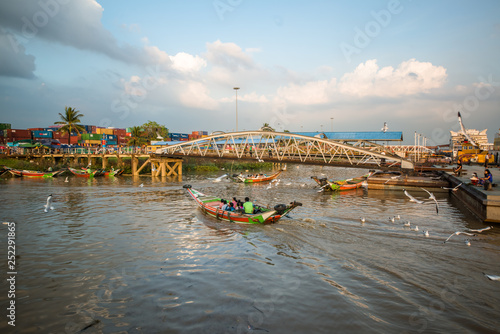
369,135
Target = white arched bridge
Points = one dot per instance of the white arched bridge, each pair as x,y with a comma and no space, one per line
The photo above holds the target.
285,147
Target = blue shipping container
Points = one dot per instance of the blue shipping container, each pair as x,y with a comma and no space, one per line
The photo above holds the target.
111,142
184,135
42,134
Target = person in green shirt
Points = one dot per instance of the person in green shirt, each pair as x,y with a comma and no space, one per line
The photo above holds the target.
248,206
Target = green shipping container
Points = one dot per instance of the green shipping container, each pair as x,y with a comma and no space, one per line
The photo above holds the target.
91,136
4,126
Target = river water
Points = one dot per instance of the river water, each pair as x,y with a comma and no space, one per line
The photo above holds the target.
114,257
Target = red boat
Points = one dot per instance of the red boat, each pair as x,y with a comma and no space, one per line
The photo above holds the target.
84,172
33,173
258,178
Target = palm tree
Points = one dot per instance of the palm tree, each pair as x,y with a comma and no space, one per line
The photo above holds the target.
70,119
137,137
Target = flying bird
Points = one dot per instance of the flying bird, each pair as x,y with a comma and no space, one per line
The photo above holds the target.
141,185
270,185
453,189
363,219
432,197
481,229
412,199
492,277
457,233
48,206
220,178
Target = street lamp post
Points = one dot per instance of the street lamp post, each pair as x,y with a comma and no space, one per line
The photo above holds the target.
332,122
236,90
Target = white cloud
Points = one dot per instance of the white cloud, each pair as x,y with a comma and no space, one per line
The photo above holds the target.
228,55
196,95
409,78
184,62
313,92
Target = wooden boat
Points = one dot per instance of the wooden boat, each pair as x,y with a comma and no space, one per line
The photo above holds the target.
84,172
33,173
259,178
114,172
210,205
341,185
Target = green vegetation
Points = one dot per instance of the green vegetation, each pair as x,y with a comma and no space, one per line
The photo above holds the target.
137,138
153,130
70,119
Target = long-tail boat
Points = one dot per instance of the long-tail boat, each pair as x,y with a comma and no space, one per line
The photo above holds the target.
211,206
340,185
257,178
84,172
33,173
114,172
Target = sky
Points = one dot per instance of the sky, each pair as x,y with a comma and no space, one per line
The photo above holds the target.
300,65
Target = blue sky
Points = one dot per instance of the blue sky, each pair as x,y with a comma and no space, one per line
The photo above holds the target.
410,63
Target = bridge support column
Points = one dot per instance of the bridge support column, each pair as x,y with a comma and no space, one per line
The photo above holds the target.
104,162
135,162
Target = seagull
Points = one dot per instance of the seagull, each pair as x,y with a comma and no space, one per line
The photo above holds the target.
415,228
303,185
467,242
398,217
481,229
392,178
412,199
457,233
48,206
141,185
391,219
431,196
66,179
407,224
288,184
270,185
453,189
220,178
260,160
277,183
426,233
492,277
363,219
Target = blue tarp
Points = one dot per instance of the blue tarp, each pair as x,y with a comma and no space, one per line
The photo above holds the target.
369,135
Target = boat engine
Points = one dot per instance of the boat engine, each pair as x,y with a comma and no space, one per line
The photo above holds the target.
280,208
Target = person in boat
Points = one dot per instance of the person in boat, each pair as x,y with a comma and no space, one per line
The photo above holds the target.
222,203
235,202
248,206
230,207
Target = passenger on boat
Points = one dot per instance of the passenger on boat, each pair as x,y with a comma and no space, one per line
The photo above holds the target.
230,207
248,206
235,202
222,203
225,206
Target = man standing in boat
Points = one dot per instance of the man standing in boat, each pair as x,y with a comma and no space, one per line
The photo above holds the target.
248,206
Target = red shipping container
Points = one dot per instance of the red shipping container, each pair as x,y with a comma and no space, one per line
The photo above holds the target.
75,139
16,133
119,132
36,129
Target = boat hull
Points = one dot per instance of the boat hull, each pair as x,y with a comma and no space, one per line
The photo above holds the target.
259,179
33,174
82,172
210,206
342,185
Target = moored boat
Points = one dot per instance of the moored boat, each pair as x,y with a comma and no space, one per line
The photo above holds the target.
257,178
84,172
33,173
114,172
341,185
210,205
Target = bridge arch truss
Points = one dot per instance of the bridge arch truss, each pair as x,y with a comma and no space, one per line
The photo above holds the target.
285,147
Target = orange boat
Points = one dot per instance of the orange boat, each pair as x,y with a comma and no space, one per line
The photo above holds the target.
258,178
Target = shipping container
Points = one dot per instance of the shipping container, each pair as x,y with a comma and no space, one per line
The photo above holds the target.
128,130
35,129
15,133
205,133
104,131
109,137
111,142
42,134
184,135
4,126
91,142
128,134
119,132
91,136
